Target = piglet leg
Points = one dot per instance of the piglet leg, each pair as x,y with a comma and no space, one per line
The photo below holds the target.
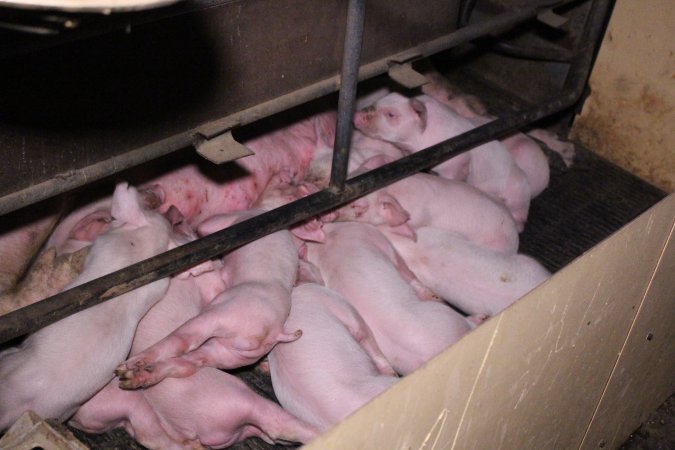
276,425
113,407
423,292
227,347
362,334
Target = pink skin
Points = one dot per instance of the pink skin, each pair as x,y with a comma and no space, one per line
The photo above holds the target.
531,159
362,147
113,407
211,407
199,195
358,262
448,204
420,122
524,150
282,190
335,368
565,149
470,106
45,374
240,325
81,225
472,278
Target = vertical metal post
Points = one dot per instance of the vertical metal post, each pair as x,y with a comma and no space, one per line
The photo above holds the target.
348,81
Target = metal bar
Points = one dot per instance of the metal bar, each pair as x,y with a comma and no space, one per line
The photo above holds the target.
596,22
52,309
61,183
40,314
348,81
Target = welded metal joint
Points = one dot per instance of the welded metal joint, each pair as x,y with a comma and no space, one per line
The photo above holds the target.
552,19
405,75
220,149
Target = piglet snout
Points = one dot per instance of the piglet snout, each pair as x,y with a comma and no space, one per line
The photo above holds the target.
362,118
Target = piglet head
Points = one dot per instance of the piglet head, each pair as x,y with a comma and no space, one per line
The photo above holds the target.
394,118
378,208
126,207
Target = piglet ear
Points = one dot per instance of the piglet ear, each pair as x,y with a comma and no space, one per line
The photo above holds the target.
177,221
302,251
195,271
421,111
404,230
353,210
374,162
307,187
126,207
91,226
310,231
151,196
391,210
216,223
324,127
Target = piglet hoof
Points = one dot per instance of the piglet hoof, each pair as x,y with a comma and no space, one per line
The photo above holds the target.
139,376
424,293
477,319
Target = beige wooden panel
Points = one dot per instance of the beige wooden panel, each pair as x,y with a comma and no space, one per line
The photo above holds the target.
645,373
530,377
545,376
422,408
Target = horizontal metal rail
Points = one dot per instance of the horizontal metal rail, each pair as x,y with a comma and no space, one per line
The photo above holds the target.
64,182
52,309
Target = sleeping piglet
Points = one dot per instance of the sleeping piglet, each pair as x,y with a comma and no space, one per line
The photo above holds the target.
59,367
240,325
417,123
423,200
335,368
475,279
357,261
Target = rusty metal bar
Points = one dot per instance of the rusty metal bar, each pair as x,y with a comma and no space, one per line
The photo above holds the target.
52,309
37,315
64,182
349,78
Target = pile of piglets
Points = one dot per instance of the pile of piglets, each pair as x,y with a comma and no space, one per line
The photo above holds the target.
335,309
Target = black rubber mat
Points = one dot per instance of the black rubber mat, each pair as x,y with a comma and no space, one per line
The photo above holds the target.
582,206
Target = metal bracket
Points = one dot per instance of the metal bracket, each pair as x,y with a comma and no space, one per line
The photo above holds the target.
31,432
552,19
405,75
221,149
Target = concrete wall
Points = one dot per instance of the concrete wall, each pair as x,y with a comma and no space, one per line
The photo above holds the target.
630,114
